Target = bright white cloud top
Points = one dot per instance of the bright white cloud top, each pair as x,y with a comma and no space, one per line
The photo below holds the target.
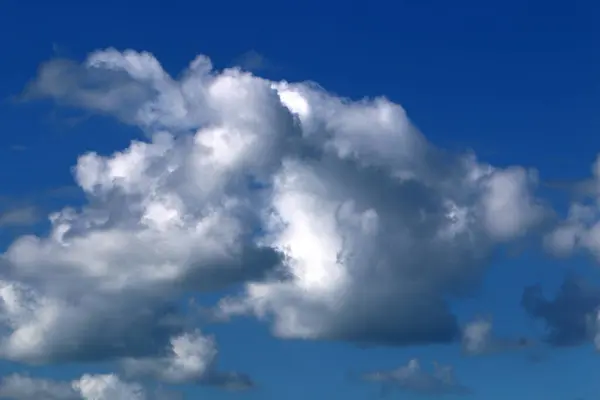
340,219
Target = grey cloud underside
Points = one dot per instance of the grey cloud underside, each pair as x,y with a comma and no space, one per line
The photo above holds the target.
413,378
478,338
111,92
570,317
18,217
17,387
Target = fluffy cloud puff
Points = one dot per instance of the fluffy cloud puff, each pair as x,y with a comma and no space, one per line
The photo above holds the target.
343,221
191,359
478,338
88,387
413,378
581,229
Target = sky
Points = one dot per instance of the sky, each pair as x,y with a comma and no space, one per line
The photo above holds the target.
259,200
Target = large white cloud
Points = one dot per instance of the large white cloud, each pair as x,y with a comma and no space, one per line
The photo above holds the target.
380,226
343,221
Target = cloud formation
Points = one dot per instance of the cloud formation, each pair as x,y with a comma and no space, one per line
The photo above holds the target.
580,231
192,359
88,387
341,220
478,338
412,378
572,317
19,216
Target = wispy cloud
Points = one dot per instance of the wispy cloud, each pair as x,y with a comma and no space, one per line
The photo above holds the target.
29,209
18,147
413,378
19,217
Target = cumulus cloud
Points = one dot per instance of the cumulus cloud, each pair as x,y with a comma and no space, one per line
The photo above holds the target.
412,378
572,317
88,387
478,338
108,387
254,61
191,359
340,218
380,226
19,216
581,229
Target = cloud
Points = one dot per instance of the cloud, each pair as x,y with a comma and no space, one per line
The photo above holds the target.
413,378
380,227
581,229
191,359
108,387
23,387
340,219
478,338
96,387
253,61
19,216
571,317
131,86
29,209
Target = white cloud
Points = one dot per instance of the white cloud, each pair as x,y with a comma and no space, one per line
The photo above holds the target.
88,387
380,226
342,219
478,338
19,216
23,387
413,378
192,358
107,387
581,229
189,359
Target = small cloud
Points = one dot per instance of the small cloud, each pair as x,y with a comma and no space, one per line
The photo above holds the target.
62,192
19,217
192,358
578,189
412,378
478,338
253,61
65,120
99,387
29,209
571,318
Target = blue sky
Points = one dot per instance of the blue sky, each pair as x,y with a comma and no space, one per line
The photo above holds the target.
516,83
